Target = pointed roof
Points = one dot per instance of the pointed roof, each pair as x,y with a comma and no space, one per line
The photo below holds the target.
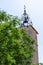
34,29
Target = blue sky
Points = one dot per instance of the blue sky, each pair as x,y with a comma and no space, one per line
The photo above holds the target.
34,9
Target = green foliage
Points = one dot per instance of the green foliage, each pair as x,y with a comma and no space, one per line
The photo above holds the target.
4,17
38,64
14,42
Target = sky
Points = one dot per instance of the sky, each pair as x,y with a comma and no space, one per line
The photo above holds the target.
35,10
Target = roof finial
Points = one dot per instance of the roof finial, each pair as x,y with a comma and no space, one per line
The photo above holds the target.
24,7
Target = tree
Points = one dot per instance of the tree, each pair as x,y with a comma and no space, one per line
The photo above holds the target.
14,42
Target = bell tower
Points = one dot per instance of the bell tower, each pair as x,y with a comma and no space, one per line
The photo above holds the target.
32,32
26,18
